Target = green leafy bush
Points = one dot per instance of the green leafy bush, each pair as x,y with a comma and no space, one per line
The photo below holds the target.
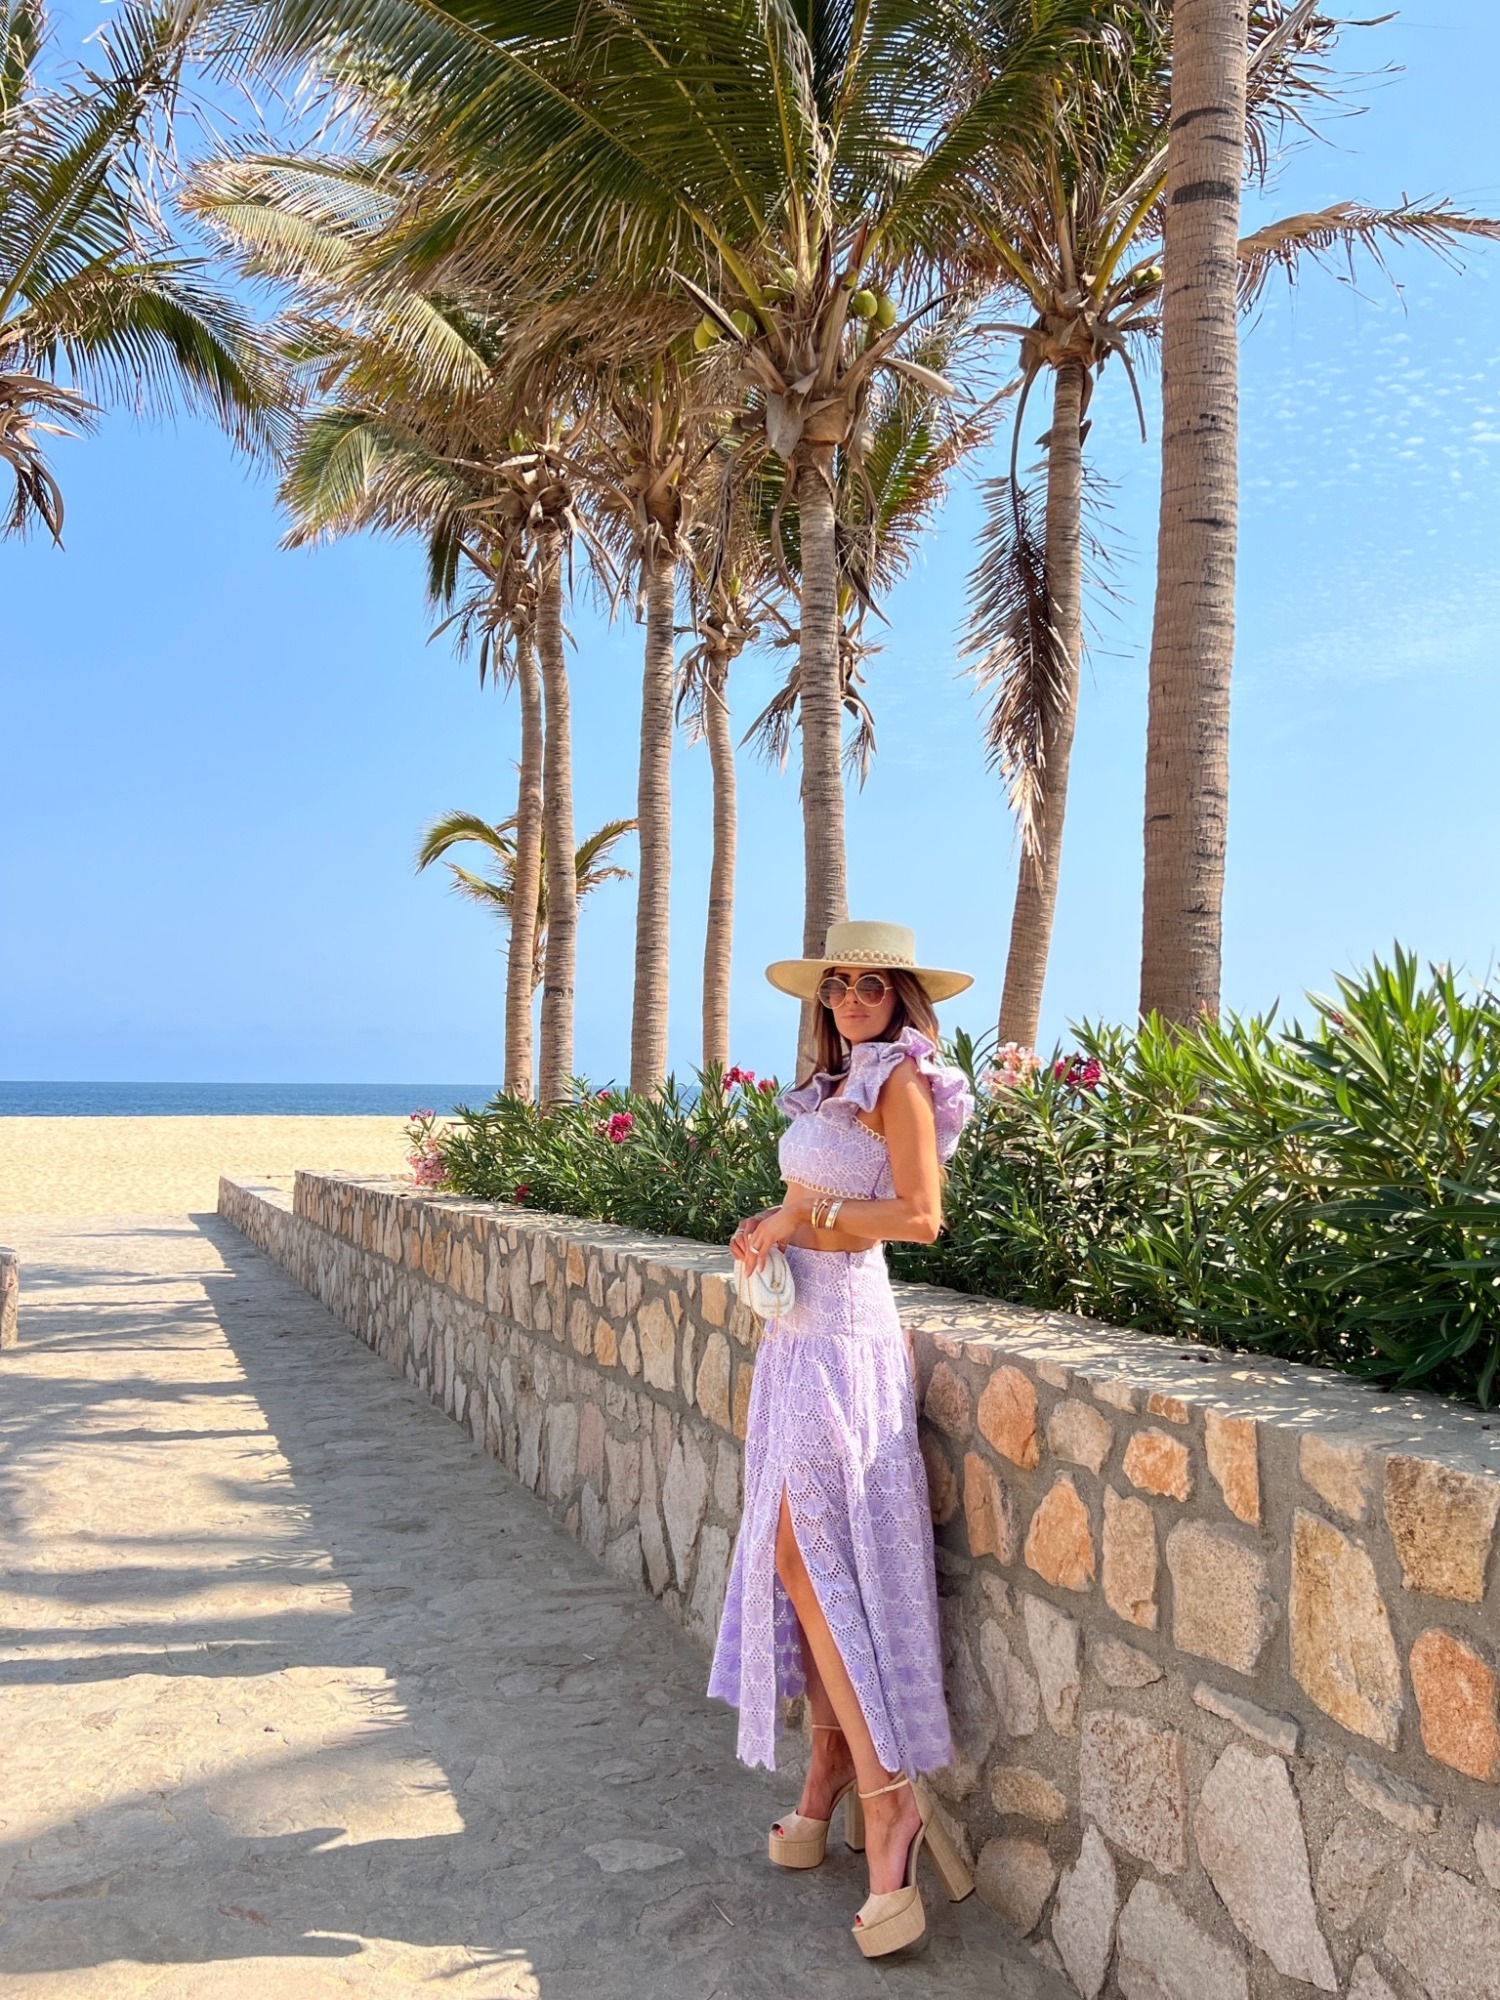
1329,1193
689,1163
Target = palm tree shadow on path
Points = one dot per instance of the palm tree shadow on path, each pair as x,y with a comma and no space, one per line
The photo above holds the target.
317,1696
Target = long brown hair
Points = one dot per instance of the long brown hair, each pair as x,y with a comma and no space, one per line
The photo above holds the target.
913,1009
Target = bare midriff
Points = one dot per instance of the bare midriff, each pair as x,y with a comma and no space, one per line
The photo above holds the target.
808,1238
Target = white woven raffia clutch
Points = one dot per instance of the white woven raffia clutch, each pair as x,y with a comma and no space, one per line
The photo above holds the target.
769,1292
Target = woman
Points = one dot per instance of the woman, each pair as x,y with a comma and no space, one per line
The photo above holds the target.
833,1592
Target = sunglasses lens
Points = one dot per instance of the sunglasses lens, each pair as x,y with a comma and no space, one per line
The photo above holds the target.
869,988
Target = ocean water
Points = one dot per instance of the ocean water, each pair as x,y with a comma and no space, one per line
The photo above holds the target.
235,1100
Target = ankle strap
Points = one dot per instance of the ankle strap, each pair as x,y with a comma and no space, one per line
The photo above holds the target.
836,1727
880,1794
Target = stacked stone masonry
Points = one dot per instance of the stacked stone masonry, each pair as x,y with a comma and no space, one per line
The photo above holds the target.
1220,1634
10,1298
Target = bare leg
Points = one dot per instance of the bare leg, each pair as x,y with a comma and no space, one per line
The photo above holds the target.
891,1821
830,1767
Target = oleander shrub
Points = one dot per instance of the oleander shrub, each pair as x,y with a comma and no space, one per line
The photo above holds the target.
1328,1192
689,1163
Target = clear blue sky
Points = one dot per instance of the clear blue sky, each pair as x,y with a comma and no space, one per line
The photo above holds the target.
218,756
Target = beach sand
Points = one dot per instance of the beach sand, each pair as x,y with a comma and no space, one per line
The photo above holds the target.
171,1166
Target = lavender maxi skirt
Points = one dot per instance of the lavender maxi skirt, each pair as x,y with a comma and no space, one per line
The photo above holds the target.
833,1423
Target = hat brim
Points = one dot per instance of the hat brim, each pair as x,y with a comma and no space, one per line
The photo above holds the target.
801,977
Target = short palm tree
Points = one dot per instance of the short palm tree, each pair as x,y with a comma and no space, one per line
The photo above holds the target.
96,303
498,892
416,391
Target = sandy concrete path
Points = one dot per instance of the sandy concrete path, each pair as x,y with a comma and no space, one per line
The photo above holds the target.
306,1698
156,1166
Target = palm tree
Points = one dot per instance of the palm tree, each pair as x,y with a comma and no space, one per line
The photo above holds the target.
1078,239
1210,276
792,173
410,434
1192,636
726,578
645,448
891,478
502,893
95,301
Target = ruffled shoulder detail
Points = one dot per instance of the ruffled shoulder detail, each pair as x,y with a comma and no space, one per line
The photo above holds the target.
807,1096
870,1063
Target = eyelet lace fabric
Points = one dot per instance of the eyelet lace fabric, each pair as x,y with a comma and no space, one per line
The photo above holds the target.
833,1424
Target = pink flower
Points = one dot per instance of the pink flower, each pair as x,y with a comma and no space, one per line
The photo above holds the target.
1079,1074
740,1076
767,1086
1012,1065
619,1127
521,1192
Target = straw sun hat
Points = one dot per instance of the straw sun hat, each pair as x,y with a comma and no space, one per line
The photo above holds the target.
883,947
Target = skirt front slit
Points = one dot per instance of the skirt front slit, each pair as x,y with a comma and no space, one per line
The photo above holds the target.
833,1425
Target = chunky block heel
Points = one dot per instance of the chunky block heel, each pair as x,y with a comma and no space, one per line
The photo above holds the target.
893,1921
955,1877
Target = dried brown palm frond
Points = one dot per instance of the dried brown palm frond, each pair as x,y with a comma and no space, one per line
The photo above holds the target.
29,407
1289,77
771,731
1013,648
1349,226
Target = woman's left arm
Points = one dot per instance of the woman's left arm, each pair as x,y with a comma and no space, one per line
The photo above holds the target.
915,1213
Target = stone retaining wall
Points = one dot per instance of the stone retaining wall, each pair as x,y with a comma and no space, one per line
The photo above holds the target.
10,1297
1219,1633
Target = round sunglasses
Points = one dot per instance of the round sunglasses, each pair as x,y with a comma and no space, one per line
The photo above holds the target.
870,988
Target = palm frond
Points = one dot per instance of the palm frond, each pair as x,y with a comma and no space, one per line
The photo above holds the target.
590,860
452,827
354,468
1014,651
33,409
1349,226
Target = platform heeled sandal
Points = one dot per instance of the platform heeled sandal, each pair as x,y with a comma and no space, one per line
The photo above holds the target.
797,1841
889,1922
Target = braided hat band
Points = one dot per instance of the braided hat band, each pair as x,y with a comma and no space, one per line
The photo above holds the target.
890,946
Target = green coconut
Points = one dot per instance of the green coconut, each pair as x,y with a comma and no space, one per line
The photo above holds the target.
745,322
705,333
864,304
885,311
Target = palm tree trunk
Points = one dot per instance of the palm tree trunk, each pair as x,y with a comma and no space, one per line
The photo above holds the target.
557,816
520,980
718,940
1192,638
1036,885
820,701
648,1020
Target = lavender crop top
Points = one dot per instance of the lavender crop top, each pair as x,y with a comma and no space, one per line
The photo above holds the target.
826,1148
